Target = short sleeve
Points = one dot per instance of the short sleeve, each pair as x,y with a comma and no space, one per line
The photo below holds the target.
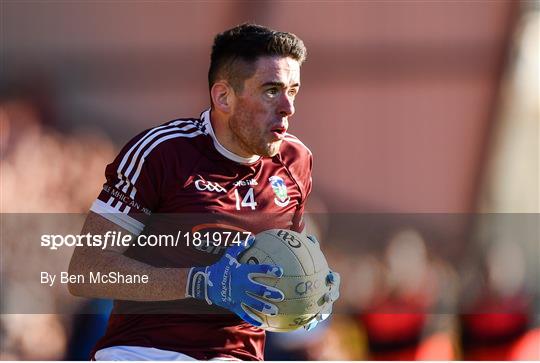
131,191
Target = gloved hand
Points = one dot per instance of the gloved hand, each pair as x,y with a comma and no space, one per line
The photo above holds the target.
332,281
230,284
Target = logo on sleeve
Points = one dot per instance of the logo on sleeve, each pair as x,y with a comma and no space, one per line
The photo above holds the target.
280,190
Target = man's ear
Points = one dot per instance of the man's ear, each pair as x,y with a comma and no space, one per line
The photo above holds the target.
222,96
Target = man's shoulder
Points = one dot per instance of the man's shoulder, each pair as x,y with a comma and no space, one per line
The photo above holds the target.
177,133
293,150
177,129
298,159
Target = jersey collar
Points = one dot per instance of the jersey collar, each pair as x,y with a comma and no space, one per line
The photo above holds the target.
220,148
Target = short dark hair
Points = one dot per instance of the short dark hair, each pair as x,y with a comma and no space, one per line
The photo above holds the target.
245,43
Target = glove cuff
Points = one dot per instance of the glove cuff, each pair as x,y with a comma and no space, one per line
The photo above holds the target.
196,286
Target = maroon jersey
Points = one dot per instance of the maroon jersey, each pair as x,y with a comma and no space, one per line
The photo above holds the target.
178,179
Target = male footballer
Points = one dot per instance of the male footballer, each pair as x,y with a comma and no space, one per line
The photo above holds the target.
234,171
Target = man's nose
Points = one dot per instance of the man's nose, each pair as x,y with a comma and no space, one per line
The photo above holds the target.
286,105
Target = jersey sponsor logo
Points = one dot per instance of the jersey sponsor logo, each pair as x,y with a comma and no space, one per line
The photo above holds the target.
203,185
280,190
243,183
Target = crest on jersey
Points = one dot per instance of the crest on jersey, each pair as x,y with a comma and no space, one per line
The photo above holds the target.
280,190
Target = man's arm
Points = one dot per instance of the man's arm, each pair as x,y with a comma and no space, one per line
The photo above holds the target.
227,283
163,283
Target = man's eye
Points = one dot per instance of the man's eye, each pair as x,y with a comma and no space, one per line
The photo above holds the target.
272,92
293,92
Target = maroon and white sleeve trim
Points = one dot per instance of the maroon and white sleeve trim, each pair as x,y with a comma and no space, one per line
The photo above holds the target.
117,217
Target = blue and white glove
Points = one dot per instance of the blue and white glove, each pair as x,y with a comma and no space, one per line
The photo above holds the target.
332,282
231,285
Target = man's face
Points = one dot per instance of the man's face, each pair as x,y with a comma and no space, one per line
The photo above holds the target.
262,109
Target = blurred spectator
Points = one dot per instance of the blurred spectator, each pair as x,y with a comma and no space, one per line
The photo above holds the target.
497,322
399,320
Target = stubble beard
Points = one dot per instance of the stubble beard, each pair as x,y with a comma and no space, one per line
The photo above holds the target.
249,139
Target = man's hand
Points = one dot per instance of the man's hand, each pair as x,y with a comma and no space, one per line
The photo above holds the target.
332,282
230,284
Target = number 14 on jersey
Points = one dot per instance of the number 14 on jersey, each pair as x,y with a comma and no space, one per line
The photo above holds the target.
248,201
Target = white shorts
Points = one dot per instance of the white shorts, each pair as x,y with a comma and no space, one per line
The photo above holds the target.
130,353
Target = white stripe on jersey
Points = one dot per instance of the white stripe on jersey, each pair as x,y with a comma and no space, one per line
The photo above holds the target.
156,143
121,219
150,132
126,156
114,204
148,139
292,138
151,135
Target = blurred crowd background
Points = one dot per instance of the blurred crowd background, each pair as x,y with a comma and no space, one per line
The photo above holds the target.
423,118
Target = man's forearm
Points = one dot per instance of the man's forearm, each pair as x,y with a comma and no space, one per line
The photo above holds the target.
93,262
161,283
